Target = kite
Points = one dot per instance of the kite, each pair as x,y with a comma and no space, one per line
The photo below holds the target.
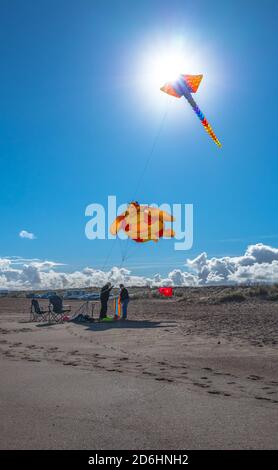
117,308
166,291
184,86
143,223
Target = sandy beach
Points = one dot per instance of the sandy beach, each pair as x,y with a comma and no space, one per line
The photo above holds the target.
176,375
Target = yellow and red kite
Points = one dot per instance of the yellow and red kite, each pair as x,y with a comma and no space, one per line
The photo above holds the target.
143,223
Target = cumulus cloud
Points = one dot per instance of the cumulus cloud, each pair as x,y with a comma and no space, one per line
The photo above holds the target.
259,263
25,234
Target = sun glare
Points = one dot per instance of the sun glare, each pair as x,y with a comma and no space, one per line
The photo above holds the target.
162,64
160,61
167,67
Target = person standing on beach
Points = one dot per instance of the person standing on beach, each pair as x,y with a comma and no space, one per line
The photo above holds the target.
104,297
124,299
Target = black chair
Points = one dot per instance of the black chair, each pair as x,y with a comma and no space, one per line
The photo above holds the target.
37,313
56,309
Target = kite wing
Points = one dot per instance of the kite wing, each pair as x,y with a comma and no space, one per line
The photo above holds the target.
184,84
193,82
170,90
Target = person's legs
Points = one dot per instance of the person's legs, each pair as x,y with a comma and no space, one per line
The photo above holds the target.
124,307
103,310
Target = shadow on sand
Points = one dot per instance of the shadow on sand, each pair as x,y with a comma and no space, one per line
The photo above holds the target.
119,324
127,324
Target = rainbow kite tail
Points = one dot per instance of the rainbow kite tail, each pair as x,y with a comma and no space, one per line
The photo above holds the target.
202,118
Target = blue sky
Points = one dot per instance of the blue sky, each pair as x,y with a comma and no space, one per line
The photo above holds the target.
79,114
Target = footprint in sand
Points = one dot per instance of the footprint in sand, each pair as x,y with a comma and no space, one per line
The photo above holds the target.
163,379
262,398
254,377
8,354
216,392
53,350
201,385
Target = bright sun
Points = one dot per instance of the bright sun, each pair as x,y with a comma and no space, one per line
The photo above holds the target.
167,67
160,61
162,64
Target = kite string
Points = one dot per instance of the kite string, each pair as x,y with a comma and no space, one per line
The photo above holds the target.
153,147
148,160
109,254
124,251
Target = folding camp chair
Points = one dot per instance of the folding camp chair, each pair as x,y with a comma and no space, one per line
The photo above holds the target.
57,310
37,313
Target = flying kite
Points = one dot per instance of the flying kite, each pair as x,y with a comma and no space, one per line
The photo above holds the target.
184,86
143,223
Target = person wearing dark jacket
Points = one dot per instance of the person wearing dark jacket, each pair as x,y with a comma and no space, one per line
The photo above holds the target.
104,296
124,299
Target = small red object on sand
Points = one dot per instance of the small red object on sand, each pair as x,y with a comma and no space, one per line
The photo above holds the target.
166,291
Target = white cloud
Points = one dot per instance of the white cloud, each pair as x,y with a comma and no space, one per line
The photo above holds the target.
259,263
25,234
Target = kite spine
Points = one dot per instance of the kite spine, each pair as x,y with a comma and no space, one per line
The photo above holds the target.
202,118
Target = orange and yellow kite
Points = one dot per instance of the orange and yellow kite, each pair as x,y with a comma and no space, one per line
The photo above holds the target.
143,223
184,86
